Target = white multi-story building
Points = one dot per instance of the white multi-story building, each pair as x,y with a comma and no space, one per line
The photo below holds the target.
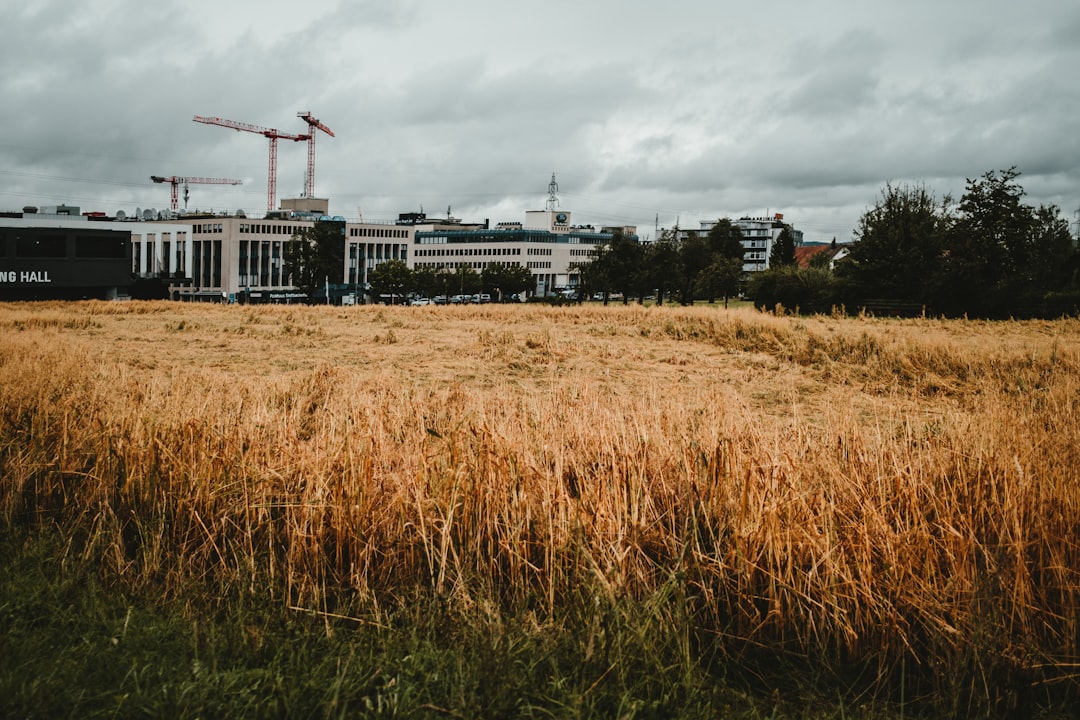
547,244
759,235
240,259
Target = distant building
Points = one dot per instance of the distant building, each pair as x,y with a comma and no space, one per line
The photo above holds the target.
827,255
237,259
547,244
217,257
759,236
65,255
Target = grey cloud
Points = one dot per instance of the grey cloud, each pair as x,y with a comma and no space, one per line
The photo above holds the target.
678,111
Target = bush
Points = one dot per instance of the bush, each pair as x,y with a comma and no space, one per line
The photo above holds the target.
807,290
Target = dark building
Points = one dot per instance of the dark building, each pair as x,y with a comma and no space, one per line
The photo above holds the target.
63,262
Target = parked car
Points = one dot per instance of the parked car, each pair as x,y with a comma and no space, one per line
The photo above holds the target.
421,301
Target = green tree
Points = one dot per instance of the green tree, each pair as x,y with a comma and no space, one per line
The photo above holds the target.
783,250
315,256
988,242
519,279
391,277
1002,254
898,245
463,280
502,281
694,257
427,282
806,290
594,276
725,239
1053,257
663,265
619,265
721,278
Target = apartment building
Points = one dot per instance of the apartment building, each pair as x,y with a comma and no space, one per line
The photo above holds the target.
759,235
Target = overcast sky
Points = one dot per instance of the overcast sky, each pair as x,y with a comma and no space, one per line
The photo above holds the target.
672,111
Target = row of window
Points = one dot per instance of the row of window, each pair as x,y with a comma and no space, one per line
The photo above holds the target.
465,252
267,229
378,232
207,228
42,246
206,263
539,251
260,263
379,251
144,259
538,264
539,236
450,264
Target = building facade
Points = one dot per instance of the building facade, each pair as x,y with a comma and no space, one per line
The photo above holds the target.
67,255
547,244
236,259
759,236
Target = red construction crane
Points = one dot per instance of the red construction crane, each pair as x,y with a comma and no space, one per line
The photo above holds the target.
313,125
185,181
273,135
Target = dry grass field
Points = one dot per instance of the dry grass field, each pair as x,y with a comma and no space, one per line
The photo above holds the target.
899,495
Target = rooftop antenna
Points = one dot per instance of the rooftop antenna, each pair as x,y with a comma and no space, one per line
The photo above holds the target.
553,187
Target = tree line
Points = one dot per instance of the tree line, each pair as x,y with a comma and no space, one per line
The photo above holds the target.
501,281
988,255
680,266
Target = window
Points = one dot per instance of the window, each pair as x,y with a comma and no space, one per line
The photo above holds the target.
217,264
41,246
102,246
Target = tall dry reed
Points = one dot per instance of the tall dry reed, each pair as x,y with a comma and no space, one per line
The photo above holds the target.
904,491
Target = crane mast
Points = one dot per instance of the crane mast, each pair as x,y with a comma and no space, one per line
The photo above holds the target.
313,125
269,133
176,182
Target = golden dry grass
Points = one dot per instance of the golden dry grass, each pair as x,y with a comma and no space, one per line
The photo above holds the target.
887,488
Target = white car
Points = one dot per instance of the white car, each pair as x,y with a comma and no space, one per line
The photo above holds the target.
421,301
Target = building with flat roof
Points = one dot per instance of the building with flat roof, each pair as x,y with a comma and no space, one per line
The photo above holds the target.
759,235
237,259
547,244
68,255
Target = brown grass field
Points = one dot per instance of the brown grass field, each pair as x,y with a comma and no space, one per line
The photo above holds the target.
851,488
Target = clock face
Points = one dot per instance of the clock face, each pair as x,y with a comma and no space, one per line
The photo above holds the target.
561,217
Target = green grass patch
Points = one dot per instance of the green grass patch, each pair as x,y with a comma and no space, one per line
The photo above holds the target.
76,645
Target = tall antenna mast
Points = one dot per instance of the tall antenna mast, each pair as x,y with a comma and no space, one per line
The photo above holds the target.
553,187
